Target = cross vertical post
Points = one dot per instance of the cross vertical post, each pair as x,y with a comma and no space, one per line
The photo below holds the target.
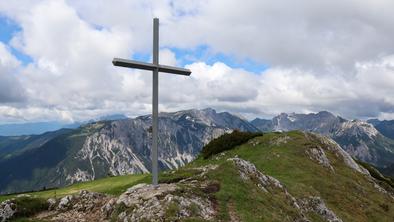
155,102
155,67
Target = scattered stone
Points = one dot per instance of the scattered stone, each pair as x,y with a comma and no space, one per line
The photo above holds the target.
51,203
85,206
280,140
317,205
108,208
65,202
122,216
7,210
254,142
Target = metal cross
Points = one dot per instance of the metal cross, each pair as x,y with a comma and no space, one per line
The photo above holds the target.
155,68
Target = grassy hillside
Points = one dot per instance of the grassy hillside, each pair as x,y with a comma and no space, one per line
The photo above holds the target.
348,193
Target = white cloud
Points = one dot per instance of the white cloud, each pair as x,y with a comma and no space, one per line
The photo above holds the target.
326,55
10,88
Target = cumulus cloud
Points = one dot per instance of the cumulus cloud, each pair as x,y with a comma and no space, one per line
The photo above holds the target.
309,34
10,88
326,55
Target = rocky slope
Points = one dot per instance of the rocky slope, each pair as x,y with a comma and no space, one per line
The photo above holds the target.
360,139
113,148
292,176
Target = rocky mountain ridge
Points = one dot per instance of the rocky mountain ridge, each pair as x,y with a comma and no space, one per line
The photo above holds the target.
385,127
113,148
359,138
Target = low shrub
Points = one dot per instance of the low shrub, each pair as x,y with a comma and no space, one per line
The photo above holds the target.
28,206
227,142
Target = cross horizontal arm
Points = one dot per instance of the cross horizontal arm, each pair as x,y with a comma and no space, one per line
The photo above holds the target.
133,64
149,66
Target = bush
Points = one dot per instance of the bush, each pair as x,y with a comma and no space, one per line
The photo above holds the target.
28,206
227,142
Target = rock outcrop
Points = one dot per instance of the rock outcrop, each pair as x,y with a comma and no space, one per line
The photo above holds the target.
142,202
317,205
7,210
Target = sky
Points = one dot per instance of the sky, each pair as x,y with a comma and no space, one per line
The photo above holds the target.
256,58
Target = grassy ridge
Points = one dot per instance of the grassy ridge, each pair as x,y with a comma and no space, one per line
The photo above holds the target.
348,193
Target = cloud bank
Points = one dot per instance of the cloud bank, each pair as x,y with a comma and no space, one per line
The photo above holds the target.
321,55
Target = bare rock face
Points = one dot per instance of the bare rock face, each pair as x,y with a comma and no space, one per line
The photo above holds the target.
317,205
85,206
7,210
334,146
317,154
123,146
248,171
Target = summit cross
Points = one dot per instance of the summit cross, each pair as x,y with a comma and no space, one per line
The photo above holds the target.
155,67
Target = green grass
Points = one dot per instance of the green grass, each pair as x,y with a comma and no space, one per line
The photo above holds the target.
109,185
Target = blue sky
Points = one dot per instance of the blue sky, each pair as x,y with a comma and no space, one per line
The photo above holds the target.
8,29
203,53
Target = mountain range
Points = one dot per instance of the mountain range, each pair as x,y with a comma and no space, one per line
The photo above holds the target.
36,128
105,148
118,147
